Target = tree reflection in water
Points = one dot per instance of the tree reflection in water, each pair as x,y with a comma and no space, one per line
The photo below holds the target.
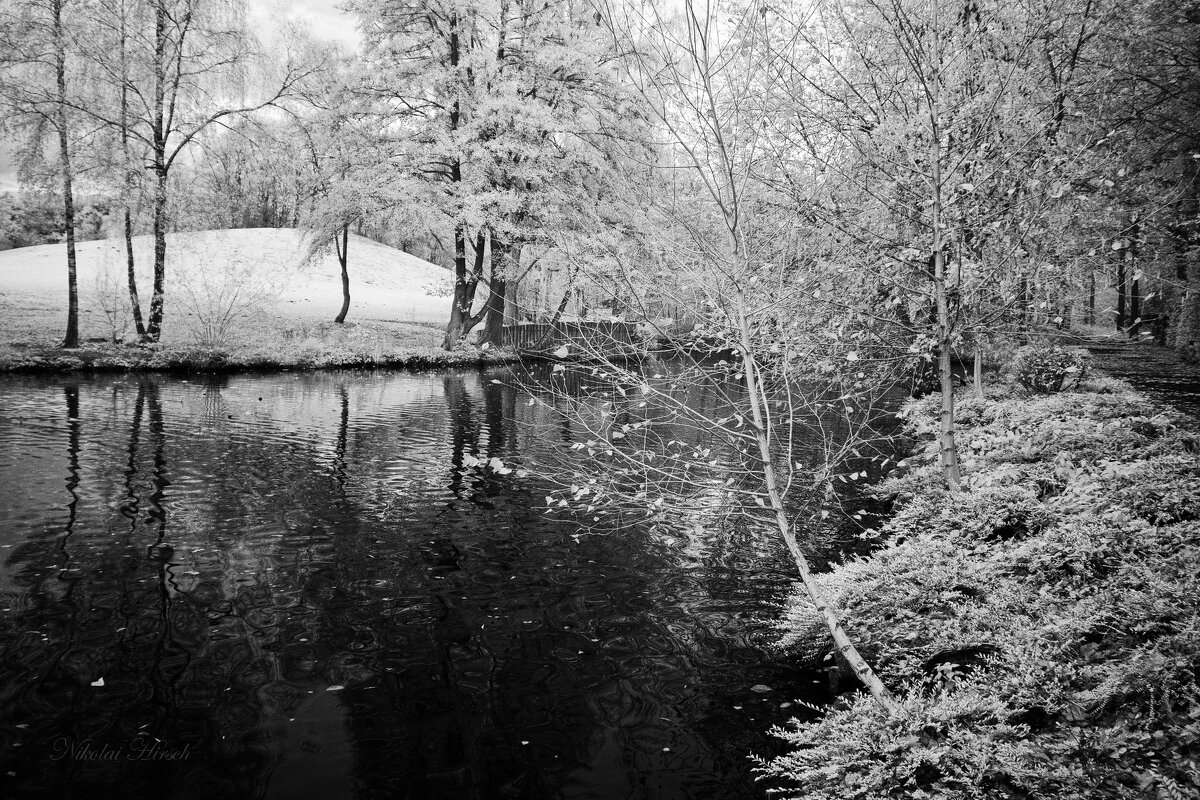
306,582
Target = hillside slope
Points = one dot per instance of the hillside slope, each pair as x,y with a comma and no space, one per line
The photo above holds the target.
387,286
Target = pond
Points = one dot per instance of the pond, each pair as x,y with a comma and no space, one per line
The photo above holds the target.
290,586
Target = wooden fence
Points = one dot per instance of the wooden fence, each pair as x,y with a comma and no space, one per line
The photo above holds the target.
580,339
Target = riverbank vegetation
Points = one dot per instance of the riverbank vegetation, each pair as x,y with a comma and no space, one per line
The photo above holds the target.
1040,629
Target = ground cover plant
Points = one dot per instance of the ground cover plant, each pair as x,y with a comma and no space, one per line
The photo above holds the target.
1042,628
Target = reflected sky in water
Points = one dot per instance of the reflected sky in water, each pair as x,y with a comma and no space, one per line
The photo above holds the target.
290,586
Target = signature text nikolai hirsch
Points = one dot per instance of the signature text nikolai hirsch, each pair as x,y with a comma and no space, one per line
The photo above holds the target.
140,748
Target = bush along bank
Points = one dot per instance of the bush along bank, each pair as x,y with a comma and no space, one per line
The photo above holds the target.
1041,630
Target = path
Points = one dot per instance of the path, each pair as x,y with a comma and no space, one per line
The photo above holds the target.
1157,371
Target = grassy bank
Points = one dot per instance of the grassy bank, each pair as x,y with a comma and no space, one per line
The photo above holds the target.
1041,630
237,299
315,346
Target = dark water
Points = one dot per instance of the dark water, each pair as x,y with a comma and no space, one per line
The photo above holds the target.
288,586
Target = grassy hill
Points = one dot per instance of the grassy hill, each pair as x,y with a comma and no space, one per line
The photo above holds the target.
279,303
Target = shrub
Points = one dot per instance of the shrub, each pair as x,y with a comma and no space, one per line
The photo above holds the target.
1073,566
1045,370
221,297
112,294
1162,491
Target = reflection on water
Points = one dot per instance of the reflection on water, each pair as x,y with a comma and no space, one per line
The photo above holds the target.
294,586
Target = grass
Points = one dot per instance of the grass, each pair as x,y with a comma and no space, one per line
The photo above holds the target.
238,299
321,345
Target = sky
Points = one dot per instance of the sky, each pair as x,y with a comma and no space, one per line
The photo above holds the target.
326,21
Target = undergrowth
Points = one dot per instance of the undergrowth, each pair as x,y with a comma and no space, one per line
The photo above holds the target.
1041,630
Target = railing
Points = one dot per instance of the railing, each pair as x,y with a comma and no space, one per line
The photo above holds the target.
581,339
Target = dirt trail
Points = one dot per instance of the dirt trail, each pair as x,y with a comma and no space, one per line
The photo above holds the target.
1157,371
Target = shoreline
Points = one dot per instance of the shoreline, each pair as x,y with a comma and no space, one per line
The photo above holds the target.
175,362
313,348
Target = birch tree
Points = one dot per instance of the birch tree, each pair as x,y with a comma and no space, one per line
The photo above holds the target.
189,67
35,46
693,71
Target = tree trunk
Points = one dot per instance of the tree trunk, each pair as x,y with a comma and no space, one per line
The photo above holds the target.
978,371
71,339
460,305
947,446
135,304
1121,319
342,251
154,324
1135,298
159,137
460,308
493,330
1023,309
829,615
568,292
1090,319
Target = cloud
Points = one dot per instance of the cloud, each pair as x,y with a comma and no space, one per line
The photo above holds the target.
324,18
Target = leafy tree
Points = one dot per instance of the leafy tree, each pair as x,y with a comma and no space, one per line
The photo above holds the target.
494,112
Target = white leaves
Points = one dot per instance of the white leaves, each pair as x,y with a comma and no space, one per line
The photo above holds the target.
494,464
